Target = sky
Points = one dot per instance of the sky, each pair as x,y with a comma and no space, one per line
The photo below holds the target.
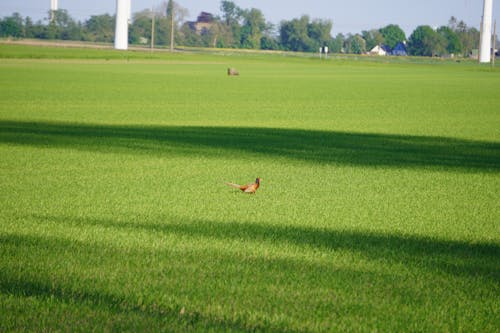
348,16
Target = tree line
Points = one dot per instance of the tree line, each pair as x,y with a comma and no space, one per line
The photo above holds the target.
236,27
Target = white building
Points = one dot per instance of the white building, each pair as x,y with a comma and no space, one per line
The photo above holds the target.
380,50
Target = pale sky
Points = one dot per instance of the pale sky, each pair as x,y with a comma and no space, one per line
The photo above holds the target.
348,16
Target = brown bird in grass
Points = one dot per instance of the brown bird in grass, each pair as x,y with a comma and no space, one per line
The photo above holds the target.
248,188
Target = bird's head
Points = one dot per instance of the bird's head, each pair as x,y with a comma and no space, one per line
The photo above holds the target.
257,180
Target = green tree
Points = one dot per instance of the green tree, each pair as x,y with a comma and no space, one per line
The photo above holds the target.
189,37
141,26
232,16
29,28
303,35
355,44
231,13
417,43
270,40
453,44
218,35
170,15
269,43
162,29
373,38
294,35
337,44
171,23
64,26
471,40
12,26
469,37
100,28
392,35
320,32
424,41
253,28
36,30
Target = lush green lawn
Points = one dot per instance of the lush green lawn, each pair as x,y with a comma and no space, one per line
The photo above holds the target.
378,211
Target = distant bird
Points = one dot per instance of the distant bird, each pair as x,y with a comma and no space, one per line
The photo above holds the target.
248,188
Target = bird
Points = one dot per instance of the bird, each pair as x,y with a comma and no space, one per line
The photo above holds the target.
248,188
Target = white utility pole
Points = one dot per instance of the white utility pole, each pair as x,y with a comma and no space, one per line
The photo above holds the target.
122,20
493,54
485,43
53,9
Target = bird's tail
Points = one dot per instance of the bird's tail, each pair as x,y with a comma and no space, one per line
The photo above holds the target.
233,185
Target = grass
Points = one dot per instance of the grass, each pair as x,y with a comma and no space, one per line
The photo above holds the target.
378,209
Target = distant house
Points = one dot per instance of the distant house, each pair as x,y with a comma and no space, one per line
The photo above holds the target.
399,49
203,24
380,50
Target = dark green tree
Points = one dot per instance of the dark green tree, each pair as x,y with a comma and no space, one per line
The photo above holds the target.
12,26
392,34
269,43
100,28
320,32
64,26
453,44
303,35
337,44
36,30
141,26
294,35
424,41
171,23
162,29
29,28
270,40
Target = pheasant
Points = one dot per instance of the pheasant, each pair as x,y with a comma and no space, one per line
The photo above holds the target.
249,188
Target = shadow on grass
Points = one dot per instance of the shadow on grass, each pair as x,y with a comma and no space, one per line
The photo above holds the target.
304,145
112,309
225,271
450,257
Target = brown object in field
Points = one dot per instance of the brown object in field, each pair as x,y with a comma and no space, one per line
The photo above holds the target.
232,72
248,188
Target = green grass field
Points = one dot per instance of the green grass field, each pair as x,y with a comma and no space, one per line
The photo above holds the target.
379,207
